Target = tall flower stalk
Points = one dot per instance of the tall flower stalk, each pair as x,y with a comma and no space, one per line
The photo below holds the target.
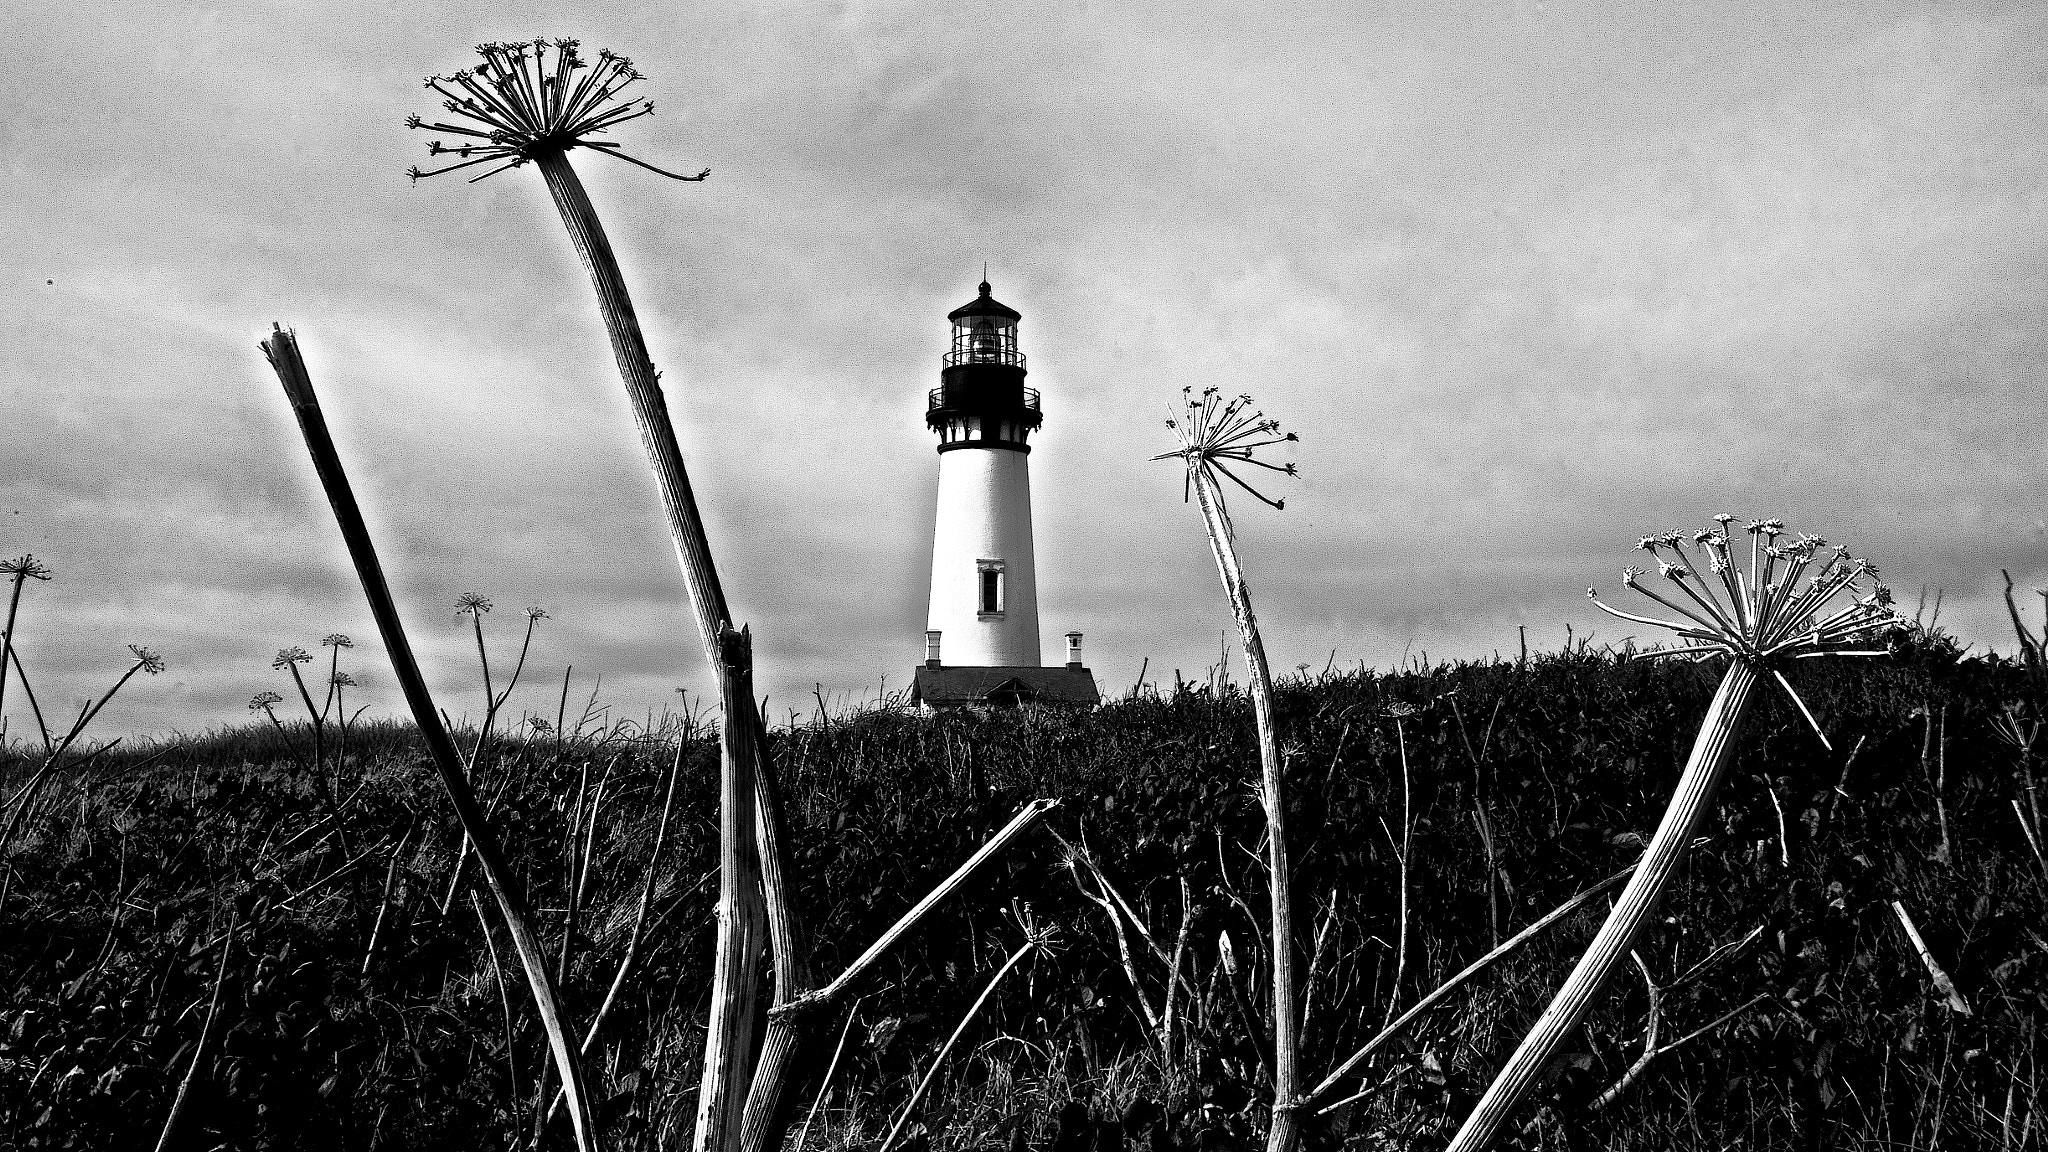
535,103
1215,437
23,569
522,105
1780,603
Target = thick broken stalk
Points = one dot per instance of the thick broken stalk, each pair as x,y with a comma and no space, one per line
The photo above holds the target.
742,928
768,1098
283,350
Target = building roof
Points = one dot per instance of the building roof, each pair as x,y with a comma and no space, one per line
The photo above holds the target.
952,687
985,305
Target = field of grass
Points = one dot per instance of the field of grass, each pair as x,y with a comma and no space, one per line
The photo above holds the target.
354,1004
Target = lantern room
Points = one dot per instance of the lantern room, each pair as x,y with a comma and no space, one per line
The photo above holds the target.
981,400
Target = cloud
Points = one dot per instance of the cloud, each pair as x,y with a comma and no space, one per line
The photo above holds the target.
1529,279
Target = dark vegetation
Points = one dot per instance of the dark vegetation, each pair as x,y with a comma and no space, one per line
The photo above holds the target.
355,1011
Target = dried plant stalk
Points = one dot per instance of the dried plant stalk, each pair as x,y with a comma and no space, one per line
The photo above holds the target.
825,1084
1766,619
633,937
1942,983
1023,820
283,350
1711,754
534,111
1035,936
1387,1033
736,972
768,1097
1214,436
163,1139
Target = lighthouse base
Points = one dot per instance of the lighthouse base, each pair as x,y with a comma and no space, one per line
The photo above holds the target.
1002,687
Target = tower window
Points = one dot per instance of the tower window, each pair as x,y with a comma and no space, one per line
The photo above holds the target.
989,587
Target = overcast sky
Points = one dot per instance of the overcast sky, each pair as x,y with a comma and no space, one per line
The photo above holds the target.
1531,279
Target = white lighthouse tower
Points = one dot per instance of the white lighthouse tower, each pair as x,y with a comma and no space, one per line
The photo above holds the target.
981,637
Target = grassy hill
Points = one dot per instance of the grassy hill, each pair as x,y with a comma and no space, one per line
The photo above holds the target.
360,1006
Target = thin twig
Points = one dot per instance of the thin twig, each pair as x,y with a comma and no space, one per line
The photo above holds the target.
825,1085
163,1139
1024,818
1942,983
1034,937
1447,987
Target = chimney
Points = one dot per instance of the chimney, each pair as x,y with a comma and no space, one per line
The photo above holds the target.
931,648
1073,649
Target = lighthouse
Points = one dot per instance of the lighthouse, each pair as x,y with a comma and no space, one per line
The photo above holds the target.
981,627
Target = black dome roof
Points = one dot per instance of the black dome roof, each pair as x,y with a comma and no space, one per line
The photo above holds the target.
984,305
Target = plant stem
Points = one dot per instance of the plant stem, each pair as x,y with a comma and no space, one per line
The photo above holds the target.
7,638
1704,769
1407,842
283,350
163,1139
1387,1033
736,974
1280,1137
647,882
768,1103
825,1085
643,389
765,1108
35,709
973,1009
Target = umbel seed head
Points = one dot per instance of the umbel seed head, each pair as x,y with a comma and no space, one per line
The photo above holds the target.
1217,434
25,567
522,104
1784,603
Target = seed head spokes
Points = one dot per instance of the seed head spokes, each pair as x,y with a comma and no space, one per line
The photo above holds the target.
1217,435
1784,606
25,567
520,104
1787,606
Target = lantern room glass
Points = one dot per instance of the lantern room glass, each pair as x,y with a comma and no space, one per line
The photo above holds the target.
985,340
